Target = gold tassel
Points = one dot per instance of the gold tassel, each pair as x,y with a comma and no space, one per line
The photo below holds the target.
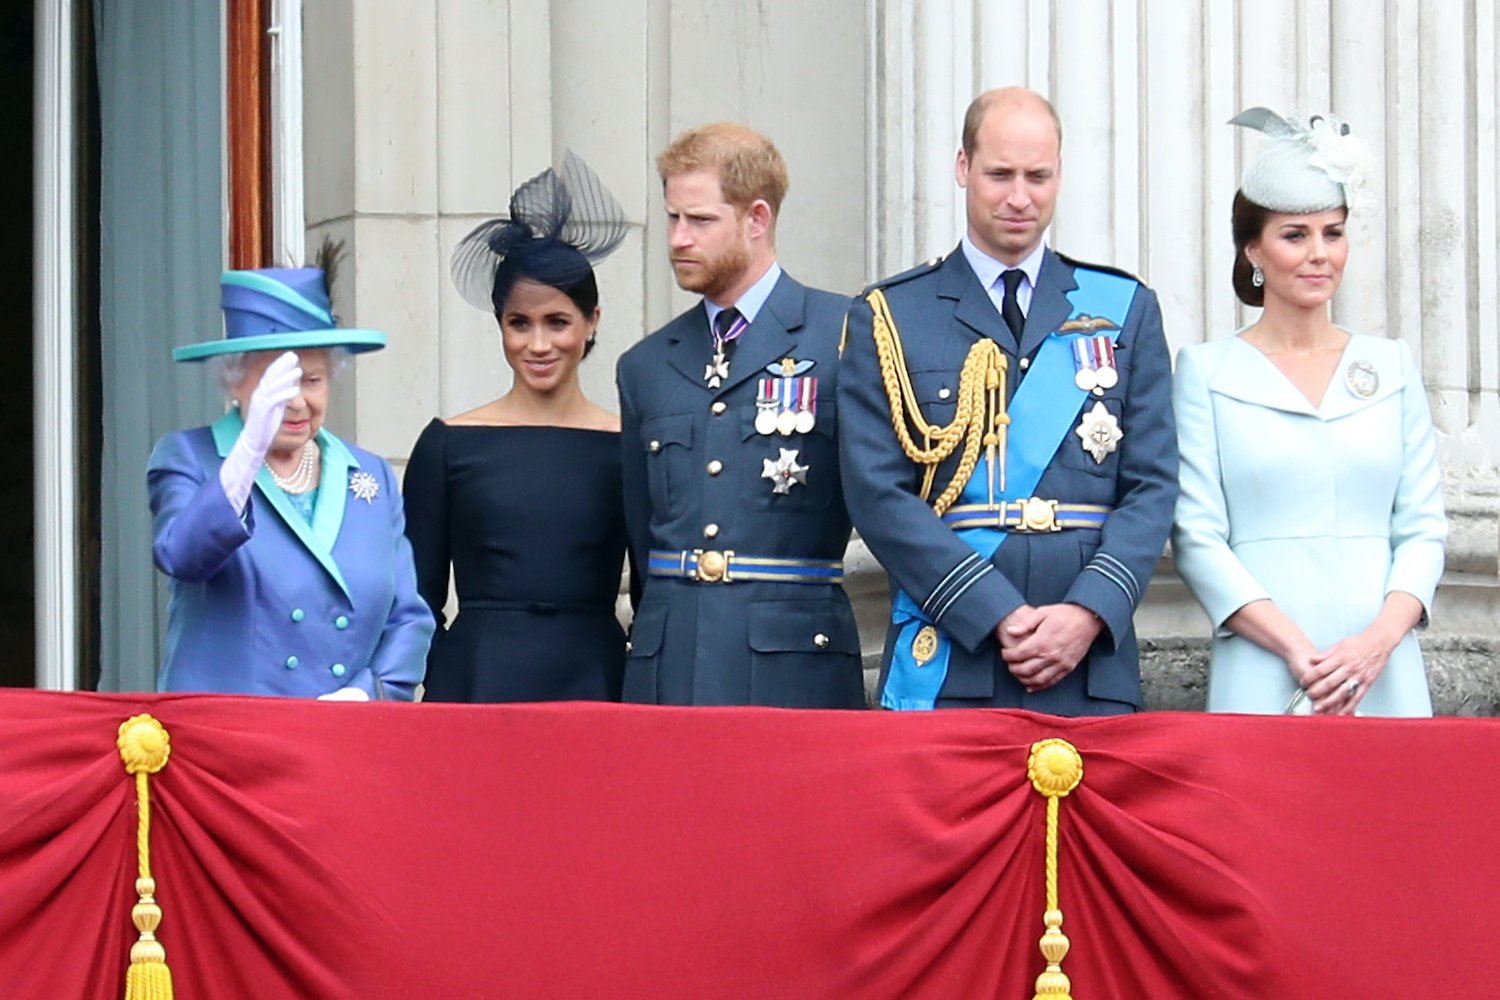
1055,768
144,747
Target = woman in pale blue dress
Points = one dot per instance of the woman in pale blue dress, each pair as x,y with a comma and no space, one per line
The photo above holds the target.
1310,523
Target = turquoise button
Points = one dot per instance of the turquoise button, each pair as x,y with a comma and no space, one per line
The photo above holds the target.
341,622
291,662
338,670
297,615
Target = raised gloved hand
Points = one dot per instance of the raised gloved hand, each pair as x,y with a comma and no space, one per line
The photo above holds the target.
278,386
345,694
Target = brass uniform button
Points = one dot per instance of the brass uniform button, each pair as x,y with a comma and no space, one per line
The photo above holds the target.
715,467
1025,363
944,392
654,447
820,640
710,531
718,409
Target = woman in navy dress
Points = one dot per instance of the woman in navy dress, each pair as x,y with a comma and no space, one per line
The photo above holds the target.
521,497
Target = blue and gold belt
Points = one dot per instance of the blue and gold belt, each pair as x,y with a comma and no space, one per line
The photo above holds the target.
1030,515
714,566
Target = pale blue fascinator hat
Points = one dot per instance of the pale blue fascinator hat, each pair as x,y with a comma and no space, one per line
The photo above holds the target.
1306,165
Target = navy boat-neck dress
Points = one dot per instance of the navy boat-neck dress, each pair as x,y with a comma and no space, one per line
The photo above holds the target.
531,520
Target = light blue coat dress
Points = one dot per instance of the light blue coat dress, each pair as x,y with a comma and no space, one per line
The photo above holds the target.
272,604
1325,510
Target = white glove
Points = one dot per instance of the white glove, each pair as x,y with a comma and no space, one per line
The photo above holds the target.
345,694
278,386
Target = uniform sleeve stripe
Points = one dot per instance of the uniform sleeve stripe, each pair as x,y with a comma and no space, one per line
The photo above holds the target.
1112,578
973,579
953,576
1122,569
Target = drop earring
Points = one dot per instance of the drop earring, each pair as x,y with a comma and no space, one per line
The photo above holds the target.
1257,276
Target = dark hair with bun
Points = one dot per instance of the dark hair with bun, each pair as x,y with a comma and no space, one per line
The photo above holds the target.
1247,221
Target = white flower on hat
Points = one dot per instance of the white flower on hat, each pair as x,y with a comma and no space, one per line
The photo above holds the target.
1308,164
1346,160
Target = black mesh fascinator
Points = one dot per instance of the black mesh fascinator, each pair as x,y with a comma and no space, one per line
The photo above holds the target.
567,205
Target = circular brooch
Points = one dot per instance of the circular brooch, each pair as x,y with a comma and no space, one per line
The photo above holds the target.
1362,379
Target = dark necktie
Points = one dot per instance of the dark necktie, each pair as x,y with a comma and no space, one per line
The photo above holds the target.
728,326
1010,308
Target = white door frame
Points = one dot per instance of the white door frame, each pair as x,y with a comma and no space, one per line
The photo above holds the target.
55,326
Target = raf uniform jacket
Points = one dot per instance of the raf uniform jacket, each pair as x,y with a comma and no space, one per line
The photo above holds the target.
270,604
693,464
940,311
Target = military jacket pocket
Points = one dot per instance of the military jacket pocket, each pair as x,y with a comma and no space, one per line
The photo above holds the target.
936,390
801,627
647,629
816,452
667,441
804,654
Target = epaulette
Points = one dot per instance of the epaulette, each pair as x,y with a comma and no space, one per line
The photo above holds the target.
907,275
1105,268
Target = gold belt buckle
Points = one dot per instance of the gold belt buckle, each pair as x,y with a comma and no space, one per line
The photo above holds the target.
1039,515
712,565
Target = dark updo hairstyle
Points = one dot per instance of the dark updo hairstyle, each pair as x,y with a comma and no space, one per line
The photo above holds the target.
552,263
1247,221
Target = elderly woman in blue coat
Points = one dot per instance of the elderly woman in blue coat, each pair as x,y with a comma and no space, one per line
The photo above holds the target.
291,572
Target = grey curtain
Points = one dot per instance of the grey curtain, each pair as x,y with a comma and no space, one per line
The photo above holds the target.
160,254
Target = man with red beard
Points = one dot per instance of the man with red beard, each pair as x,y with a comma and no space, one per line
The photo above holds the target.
733,500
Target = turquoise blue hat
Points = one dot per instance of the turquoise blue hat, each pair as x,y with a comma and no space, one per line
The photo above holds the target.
278,309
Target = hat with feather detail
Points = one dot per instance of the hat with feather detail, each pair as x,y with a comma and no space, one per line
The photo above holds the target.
281,309
1306,165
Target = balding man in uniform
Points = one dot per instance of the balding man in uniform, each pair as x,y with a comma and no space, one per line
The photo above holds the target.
1008,446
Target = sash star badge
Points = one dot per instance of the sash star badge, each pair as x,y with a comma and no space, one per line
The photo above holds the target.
1099,431
784,471
364,486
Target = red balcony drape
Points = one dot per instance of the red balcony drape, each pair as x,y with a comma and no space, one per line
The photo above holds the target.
344,850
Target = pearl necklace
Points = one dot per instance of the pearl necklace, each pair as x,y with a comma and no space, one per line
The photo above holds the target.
302,478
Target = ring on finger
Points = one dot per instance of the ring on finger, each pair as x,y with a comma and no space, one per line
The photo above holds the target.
1352,687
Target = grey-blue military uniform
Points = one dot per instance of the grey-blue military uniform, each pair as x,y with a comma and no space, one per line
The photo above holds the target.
737,535
1102,559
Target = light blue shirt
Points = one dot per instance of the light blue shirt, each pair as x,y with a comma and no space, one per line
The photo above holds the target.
749,304
988,270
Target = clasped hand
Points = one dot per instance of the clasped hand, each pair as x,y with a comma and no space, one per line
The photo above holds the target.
1338,678
1042,645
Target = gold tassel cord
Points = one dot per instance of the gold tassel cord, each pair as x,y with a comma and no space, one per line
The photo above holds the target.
1055,768
144,747
979,418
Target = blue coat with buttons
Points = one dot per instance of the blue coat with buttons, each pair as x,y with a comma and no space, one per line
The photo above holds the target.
693,463
941,311
270,604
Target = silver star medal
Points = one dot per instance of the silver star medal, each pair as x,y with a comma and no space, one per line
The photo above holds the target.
1099,431
364,486
716,371
784,471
